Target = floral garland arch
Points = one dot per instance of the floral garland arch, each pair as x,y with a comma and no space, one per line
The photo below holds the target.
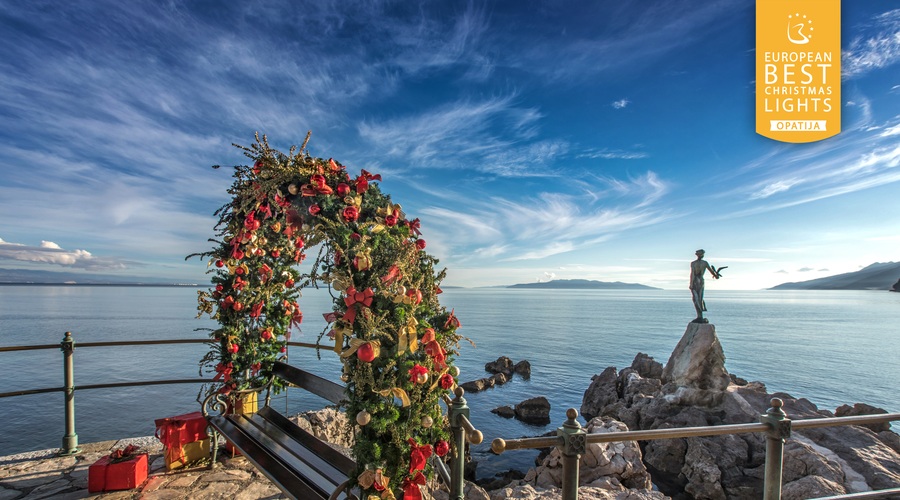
395,340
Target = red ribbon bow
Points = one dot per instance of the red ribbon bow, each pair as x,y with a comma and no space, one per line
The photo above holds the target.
363,298
411,485
392,275
123,454
434,349
418,455
223,372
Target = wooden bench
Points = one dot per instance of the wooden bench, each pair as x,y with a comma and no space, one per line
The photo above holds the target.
300,464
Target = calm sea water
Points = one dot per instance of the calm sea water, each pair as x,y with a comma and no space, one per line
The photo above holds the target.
831,347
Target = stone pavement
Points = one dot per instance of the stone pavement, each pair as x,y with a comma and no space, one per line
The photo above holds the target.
42,474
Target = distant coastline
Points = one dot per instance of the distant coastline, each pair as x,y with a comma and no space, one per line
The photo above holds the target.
579,284
877,276
182,285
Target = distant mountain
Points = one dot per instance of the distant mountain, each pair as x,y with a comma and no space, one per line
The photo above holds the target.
35,277
584,284
878,276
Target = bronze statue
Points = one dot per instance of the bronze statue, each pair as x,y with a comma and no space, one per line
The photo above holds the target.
698,269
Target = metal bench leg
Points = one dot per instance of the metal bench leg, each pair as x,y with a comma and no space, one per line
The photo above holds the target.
215,449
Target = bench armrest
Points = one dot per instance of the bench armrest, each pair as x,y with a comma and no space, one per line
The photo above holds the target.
218,403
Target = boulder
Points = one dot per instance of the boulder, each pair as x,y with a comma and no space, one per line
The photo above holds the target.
504,411
646,366
863,409
698,361
499,379
503,365
534,411
523,368
614,467
328,424
601,393
529,492
474,386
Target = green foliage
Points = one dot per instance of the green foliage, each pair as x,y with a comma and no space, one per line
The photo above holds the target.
394,338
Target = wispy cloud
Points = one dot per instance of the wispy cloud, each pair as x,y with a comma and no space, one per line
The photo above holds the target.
862,157
441,136
620,104
865,54
613,154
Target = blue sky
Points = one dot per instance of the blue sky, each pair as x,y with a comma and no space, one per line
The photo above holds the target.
535,140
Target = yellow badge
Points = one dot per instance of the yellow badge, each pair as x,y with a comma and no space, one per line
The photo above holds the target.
798,69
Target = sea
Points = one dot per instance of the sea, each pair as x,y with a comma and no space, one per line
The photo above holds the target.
830,347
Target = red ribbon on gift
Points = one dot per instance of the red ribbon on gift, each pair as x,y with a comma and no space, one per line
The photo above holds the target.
411,485
175,432
363,298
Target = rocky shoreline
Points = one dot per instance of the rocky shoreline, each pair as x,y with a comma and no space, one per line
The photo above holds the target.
692,389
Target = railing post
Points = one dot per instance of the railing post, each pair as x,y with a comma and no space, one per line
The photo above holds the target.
70,440
457,409
779,430
572,448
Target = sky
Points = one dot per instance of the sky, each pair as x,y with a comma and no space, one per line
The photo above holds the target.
535,140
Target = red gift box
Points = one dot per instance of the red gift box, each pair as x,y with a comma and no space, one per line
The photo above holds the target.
176,432
105,475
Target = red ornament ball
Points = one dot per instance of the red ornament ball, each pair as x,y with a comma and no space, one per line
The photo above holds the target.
219,263
441,448
366,353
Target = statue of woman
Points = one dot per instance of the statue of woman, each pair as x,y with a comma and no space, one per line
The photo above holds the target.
698,269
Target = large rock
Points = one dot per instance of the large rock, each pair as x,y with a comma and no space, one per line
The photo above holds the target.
863,409
503,365
523,368
601,393
698,361
327,424
534,411
646,366
529,492
611,466
695,390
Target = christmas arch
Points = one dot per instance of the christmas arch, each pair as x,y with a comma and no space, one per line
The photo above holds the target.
396,342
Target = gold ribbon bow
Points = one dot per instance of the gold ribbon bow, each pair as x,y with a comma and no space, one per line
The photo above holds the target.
408,337
341,329
395,392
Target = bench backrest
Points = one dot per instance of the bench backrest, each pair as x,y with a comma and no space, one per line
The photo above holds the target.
315,384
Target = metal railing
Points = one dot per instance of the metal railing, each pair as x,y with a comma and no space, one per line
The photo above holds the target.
461,428
572,440
70,439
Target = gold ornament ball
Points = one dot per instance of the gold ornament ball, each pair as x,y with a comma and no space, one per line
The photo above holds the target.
427,421
454,371
293,189
363,417
345,377
421,378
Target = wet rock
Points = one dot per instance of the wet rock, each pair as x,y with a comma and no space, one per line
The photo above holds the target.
502,365
501,480
534,411
504,411
499,379
523,368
